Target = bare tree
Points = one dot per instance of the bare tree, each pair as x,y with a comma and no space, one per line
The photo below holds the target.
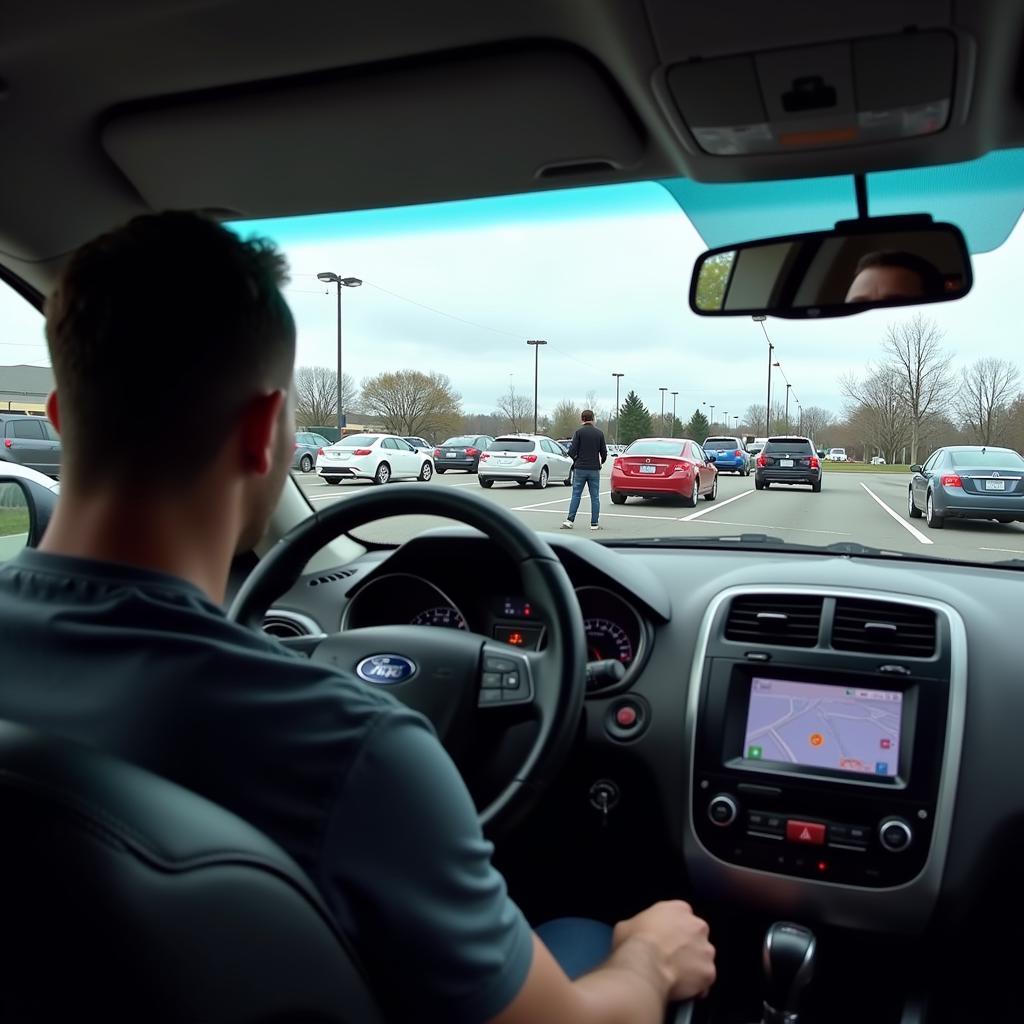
814,421
411,402
753,420
565,418
316,395
517,409
878,412
986,389
921,368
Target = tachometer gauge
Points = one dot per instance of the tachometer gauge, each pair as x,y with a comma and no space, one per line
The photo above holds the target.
442,615
607,639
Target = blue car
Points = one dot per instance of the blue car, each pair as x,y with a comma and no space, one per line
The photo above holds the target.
731,455
307,444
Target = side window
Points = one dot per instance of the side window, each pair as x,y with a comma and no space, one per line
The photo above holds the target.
389,442
50,430
933,461
405,446
30,429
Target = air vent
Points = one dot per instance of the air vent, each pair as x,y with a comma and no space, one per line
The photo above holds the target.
881,627
331,577
787,620
284,628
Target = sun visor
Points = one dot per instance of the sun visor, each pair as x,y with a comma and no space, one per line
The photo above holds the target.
377,137
819,97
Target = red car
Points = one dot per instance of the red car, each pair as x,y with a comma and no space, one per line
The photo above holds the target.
662,467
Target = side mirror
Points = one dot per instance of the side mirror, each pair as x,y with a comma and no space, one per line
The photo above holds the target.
712,457
25,510
868,263
916,468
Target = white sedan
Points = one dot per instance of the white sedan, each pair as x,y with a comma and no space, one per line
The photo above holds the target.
376,457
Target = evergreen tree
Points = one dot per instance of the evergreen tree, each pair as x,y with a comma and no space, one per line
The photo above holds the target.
697,429
634,419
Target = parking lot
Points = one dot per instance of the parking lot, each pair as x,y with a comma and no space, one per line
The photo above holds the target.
869,508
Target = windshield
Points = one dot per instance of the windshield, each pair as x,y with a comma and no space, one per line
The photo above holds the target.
358,441
654,448
441,341
991,457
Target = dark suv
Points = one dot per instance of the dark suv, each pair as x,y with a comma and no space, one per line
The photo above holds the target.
787,460
30,441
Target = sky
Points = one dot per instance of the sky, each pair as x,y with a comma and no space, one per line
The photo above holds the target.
602,274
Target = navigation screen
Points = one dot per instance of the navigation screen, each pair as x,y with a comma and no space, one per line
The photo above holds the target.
851,729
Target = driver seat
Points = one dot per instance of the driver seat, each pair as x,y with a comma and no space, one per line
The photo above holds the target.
127,898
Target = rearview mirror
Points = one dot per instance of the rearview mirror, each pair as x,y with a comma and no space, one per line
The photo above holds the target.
860,264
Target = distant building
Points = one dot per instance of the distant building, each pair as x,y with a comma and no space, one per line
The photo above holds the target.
24,388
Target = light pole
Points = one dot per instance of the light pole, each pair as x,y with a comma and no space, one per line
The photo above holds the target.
736,425
672,432
342,282
617,377
771,349
663,390
536,343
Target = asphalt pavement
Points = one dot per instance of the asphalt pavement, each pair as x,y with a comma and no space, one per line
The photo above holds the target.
870,508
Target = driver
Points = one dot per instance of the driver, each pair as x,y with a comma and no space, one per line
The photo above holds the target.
886,276
173,352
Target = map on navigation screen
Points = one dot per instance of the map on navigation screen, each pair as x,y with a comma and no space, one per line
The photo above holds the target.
824,726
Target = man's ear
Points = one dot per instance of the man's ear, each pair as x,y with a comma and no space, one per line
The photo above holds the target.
258,430
53,410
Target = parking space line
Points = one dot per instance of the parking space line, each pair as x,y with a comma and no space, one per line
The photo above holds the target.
775,526
712,505
912,530
555,501
604,515
1012,551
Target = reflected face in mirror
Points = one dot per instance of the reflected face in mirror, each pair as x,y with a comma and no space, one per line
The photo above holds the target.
890,276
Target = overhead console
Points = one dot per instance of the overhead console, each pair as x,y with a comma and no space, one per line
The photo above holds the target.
825,734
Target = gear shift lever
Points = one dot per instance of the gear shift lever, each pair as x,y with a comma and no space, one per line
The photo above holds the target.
788,958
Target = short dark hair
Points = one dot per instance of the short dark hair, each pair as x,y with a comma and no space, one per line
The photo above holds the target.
933,284
587,415
160,331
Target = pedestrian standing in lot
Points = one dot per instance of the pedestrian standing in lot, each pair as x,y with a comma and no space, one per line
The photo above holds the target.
589,453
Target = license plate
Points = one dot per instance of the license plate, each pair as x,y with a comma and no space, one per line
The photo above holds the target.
995,485
450,455
339,458
504,462
786,463
648,469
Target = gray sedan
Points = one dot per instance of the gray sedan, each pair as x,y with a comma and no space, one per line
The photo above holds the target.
968,482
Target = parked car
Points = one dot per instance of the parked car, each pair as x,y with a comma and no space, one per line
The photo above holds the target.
662,467
461,452
422,446
376,457
526,459
836,455
307,447
878,461
731,454
563,443
30,441
968,482
788,460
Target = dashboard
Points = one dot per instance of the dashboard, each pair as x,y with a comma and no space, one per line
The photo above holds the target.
820,737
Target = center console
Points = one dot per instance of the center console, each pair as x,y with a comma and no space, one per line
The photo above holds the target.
825,734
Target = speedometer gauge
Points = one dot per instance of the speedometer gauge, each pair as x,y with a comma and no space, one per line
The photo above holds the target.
607,639
442,615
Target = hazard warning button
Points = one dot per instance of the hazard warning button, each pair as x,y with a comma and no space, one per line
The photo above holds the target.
807,832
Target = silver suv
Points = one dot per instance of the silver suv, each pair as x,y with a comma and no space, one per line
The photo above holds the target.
526,459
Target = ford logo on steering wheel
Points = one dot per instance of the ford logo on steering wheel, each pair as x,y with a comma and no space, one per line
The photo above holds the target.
386,669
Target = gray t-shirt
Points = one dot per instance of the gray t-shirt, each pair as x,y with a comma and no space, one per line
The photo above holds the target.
355,786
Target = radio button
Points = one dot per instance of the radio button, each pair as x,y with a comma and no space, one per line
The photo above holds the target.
807,832
764,823
722,810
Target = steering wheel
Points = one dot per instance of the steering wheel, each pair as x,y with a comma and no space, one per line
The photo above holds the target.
451,676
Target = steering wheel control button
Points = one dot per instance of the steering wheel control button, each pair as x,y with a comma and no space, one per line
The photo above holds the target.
496,664
626,718
895,835
490,697
722,810
490,681
808,833
511,681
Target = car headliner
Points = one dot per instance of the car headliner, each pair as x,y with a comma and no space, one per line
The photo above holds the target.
246,109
